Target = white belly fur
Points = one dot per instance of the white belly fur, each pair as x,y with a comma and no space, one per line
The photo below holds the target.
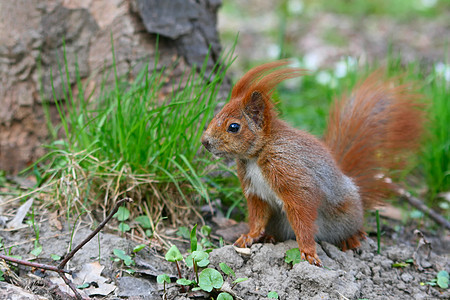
259,186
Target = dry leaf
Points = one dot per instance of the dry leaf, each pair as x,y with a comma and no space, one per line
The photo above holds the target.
88,274
53,220
16,223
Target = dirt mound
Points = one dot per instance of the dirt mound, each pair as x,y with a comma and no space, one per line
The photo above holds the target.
345,275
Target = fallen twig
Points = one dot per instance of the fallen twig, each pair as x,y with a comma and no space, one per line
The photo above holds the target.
417,203
60,268
34,265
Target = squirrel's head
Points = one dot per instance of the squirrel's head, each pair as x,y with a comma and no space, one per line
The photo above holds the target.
243,126
238,130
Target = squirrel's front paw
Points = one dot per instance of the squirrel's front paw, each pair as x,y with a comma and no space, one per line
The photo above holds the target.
312,258
247,240
244,241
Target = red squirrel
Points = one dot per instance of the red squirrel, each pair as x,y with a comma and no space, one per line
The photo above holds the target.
297,185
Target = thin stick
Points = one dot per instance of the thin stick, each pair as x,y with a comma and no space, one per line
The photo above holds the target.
33,264
417,203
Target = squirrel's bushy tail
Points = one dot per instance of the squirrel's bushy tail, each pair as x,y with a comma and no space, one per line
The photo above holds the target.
372,132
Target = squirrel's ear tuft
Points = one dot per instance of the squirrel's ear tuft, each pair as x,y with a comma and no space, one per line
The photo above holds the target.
254,108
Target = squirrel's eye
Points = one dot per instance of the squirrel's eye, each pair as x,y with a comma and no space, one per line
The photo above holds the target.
234,127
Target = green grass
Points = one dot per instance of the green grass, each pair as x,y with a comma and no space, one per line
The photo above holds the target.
435,159
399,9
134,139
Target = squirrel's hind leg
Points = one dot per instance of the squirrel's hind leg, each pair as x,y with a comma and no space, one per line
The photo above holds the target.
354,241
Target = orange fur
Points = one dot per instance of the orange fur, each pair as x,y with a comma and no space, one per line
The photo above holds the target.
367,140
297,185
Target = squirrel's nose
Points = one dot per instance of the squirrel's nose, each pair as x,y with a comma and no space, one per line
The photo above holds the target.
206,143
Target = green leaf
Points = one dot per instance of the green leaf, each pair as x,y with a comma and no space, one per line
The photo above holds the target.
173,254
189,262
83,286
226,269
400,265
240,280
442,279
36,251
184,281
1,276
194,238
144,221
205,230
127,260
149,233
209,279
122,214
272,295
163,278
138,248
442,282
224,296
206,243
442,273
123,227
55,257
183,232
293,256
199,256
203,263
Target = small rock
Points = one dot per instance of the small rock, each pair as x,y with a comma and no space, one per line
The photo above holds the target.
401,286
386,263
406,277
132,286
9,291
227,255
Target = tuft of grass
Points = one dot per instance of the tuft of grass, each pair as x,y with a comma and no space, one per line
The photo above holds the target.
138,138
435,158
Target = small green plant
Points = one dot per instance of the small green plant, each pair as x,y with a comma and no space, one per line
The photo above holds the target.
441,280
1,276
122,256
127,260
37,246
404,264
224,296
174,255
293,256
163,279
122,215
209,280
145,223
272,295
183,232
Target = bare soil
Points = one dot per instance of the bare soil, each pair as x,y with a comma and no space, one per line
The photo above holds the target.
360,274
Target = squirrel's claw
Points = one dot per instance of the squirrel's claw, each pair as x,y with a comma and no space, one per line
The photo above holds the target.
244,241
313,259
